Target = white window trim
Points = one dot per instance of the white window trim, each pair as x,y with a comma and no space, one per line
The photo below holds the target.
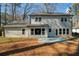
38,20
63,19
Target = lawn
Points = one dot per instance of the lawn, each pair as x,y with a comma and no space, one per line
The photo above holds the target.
32,47
4,40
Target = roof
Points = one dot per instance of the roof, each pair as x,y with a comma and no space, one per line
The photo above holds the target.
18,22
38,25
16,25
50,14
26,25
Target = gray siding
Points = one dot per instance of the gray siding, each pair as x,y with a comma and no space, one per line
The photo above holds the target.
54,23
16,32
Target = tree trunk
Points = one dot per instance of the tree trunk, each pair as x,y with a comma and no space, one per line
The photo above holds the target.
0,15
5,14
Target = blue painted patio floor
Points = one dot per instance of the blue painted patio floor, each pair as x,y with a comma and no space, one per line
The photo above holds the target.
51,40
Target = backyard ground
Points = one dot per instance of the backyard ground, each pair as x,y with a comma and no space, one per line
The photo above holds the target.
31,47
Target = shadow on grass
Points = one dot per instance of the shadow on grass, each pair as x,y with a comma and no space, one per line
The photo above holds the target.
24,49
29,48
77,51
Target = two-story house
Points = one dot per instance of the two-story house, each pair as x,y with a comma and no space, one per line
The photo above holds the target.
41,25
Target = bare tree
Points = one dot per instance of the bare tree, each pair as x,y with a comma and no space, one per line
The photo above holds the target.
0,22
26,11
0,15
14,8
5,14
49,7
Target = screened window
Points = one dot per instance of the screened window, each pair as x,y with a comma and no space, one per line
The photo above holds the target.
23,31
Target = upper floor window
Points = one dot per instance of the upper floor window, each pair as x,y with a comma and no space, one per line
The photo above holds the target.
63,19
38,19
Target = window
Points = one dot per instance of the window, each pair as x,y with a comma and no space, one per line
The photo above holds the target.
32,31
65,19
23,31
63,31
36,19
56,32
61,19
60,31
43,31
49,30
38,31
67,31
39,19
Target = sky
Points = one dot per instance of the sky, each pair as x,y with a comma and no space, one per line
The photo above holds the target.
61,7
